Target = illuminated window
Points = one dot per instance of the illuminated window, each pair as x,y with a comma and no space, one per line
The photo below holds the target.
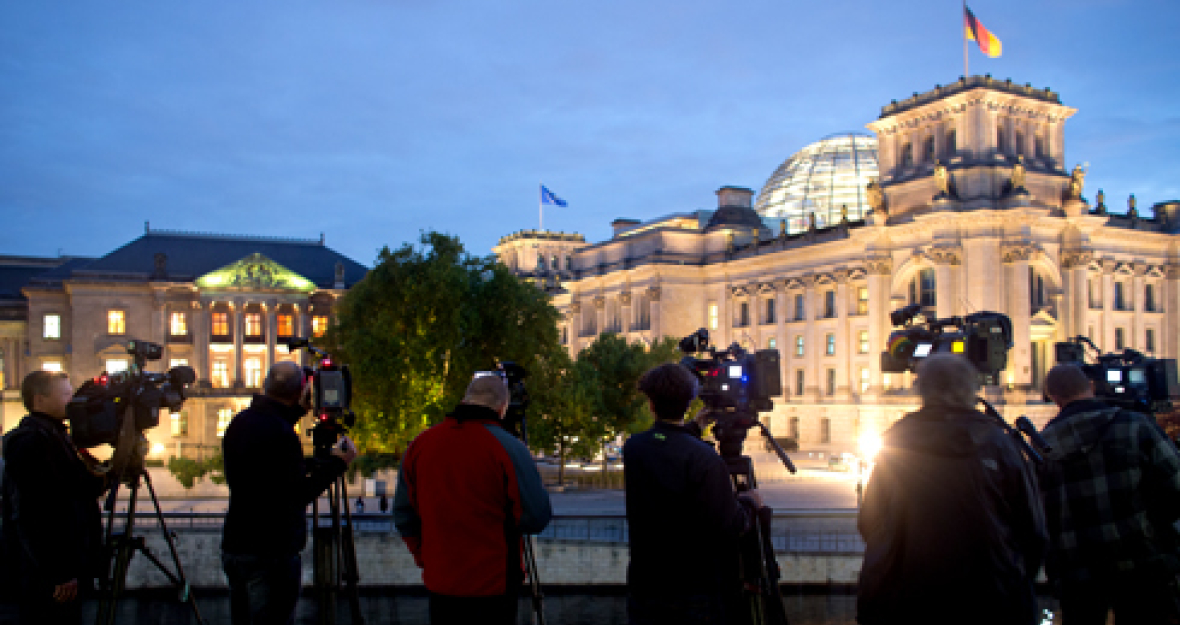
771,343
286,325
864,342
1149,340
862,300
178,362
798,381
51,327
712,316
178,324
799,308
319,325
252,368
223,417
116,322
798,344
51,365
180,423
831,341
220,324
864,379
116,365
253,323
220,374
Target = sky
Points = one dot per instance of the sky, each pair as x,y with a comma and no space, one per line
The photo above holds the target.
372,121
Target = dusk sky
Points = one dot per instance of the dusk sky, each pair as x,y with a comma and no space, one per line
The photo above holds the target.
373,120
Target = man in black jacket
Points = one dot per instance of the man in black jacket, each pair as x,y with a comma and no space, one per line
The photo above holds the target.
683,517
951,518
270,486
52,525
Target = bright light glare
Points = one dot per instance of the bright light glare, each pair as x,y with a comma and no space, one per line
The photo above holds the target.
157,448
870,445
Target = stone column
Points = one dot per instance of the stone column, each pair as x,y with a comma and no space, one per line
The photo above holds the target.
201,328
576,330
1016,257
297,327
880,271
1075,267
1170,299
812,374
1137,331
844,340
982,258
945,260
625,313
655,315
599,313
159,321
1105,336
781,340
239,310
271,332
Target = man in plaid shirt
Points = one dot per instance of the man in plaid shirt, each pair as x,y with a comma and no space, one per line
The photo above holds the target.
1111,487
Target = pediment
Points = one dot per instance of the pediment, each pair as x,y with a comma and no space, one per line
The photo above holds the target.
255,272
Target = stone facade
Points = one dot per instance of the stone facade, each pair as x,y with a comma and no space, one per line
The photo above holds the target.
978,212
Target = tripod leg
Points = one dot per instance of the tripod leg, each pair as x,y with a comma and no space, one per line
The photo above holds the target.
179,579
349,571
121,548
538,596
325,559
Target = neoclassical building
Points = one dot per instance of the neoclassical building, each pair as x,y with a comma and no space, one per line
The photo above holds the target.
967,204
223,305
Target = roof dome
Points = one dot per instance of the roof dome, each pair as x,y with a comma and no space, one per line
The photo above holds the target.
822,178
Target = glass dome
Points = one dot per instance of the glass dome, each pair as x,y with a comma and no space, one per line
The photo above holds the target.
822,178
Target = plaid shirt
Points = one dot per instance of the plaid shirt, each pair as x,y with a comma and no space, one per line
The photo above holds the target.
1111,488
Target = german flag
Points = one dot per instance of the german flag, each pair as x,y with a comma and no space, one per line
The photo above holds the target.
988,43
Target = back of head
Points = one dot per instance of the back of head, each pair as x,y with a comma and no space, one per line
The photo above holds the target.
948,380
489,391
1067,382
671,388
284,382
38,383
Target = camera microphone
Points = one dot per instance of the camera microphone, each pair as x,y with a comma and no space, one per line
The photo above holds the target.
1027,428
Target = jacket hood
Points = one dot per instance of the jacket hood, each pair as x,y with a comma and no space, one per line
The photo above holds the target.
1080,427
935,431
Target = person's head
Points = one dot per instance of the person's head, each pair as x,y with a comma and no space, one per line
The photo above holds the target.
47,392
489,391
284,383
1067,383
670,388
948,381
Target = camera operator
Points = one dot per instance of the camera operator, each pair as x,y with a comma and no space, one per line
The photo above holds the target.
270,486
683,516
466,492
951,520
1111,487
51,521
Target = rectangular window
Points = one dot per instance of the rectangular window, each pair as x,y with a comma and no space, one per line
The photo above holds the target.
1119,343
864,379
798,344
863,346
319,325
253,323
178,362
771,343
831,382
713,316
286,325
1149,297
798,381
825,430
793,428
252,369
799,308
1120,302
220,374
1094,292
116,322
223,417
743,319
829,304
115,365
51,365
862,300
180,423
1149,340
831,348
926,288
178,324
220,324
770,310
51,327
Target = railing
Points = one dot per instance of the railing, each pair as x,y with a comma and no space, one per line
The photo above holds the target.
803,532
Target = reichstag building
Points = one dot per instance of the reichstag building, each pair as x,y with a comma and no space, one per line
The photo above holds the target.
960,200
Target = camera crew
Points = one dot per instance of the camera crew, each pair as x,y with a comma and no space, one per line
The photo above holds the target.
1111,488
951,519
683,516
51,521
466,492
270,486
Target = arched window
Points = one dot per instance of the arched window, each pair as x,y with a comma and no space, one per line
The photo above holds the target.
1036,289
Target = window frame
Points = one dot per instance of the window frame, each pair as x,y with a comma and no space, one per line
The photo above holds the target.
116,322
45,326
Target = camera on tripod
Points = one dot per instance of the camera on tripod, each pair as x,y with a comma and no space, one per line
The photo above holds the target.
116,408
1128,379
331,397
518,396
735,386
983,338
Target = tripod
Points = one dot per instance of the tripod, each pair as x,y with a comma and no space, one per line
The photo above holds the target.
119,547
334,556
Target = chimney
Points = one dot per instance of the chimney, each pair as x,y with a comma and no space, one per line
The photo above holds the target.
622,225
735,197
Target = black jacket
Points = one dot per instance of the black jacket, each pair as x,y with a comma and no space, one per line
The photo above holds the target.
952,524
682,515
270,483
51,522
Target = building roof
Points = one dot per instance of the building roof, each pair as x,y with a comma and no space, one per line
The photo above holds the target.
966,84
188,256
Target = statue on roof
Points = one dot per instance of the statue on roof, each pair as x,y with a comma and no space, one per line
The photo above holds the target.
1077,179
1017,179
1132,211
876,196
1100,199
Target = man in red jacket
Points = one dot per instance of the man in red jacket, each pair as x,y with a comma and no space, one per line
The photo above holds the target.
466,493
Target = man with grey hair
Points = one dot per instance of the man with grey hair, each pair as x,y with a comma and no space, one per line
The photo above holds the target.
466,493
270,486
951,515
1111,487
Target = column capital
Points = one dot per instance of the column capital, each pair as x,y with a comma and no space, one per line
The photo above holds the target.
599,302
1017,252
1076,258
653,293
945,255
879,266
625,298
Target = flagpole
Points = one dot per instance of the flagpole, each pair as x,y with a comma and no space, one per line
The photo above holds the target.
966,74
541,206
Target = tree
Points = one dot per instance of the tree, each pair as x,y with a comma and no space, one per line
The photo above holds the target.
561,412
420,323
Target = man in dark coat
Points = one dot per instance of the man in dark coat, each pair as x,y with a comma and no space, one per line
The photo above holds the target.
952,519
52,525
270,486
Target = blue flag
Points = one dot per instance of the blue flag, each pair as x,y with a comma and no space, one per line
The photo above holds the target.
547,197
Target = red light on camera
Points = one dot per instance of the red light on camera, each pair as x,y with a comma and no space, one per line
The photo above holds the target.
327,362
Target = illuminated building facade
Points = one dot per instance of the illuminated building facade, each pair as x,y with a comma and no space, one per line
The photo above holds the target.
974,209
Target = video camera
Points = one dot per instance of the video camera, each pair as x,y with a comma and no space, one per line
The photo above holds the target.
1129,380
518,396
99,410
983,338
735,386
331,397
